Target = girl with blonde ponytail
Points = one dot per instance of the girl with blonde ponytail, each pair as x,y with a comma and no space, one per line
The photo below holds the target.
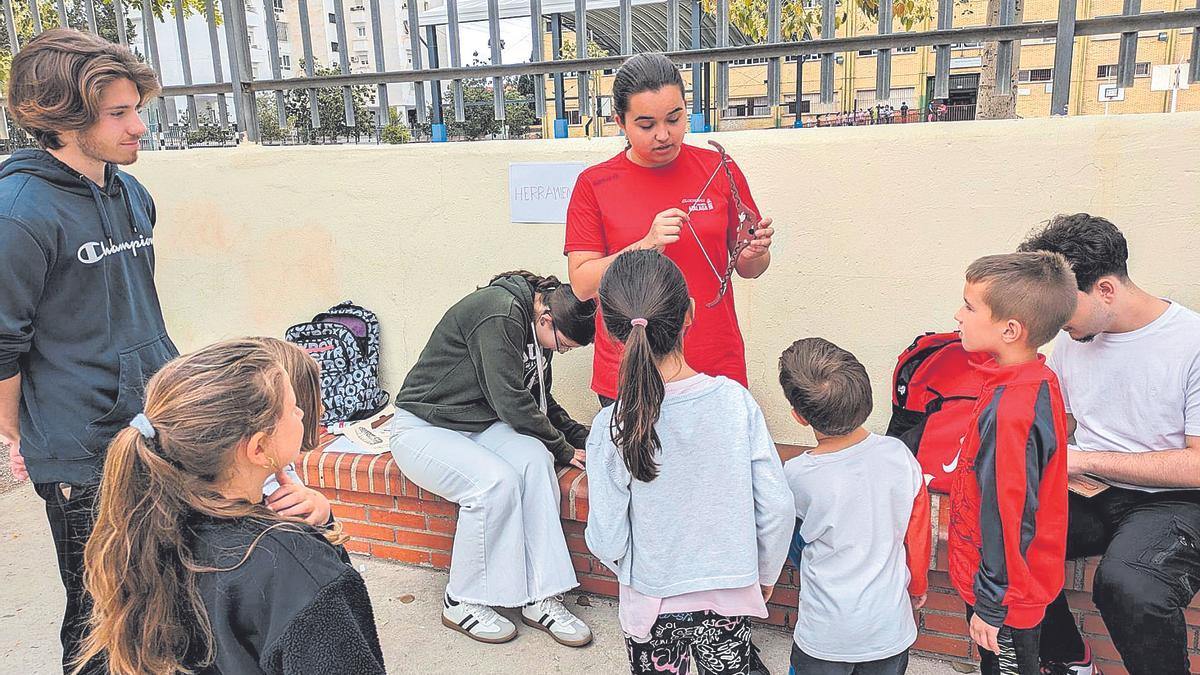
189,571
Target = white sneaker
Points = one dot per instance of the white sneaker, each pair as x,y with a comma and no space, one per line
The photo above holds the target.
478,622
553,617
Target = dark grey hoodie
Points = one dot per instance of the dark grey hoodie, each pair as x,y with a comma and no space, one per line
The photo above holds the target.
79,315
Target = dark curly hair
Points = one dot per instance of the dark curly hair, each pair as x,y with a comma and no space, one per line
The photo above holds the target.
1092,245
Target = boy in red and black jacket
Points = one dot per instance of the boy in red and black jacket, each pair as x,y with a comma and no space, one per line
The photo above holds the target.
1008,518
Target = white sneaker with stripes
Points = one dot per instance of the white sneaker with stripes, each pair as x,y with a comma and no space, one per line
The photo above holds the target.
478,622
553,617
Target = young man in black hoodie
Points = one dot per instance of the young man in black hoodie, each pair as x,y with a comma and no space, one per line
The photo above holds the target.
81,329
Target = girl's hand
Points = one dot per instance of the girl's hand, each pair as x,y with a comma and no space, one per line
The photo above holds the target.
761,243
578,460
767,592
665,229
293,500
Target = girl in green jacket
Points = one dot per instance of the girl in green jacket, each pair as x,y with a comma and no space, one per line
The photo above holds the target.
476,424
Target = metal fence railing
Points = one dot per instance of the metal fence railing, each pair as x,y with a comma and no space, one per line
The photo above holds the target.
277,109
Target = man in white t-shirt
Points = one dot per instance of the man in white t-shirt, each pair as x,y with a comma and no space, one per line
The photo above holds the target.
1129,366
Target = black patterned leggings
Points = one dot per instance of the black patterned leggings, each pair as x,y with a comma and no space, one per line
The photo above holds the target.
719,645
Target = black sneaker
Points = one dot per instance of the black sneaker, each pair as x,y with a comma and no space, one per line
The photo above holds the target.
1084,666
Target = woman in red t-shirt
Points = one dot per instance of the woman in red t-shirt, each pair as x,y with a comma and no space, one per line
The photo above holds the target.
650,196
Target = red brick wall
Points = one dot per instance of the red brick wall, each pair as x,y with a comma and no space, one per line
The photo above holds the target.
391,518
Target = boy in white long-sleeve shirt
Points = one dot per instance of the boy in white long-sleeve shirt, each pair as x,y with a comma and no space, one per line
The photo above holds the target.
865,522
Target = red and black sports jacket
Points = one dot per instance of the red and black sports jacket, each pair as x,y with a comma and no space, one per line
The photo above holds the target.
1008,498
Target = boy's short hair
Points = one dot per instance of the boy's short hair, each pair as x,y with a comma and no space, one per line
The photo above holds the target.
56,81
1035,288
1092,245
825,385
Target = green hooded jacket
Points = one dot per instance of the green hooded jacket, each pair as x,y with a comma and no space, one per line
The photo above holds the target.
474,371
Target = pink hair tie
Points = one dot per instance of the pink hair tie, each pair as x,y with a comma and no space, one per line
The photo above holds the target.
638,322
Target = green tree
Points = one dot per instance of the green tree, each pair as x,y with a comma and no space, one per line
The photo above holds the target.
269,130
750,16
594,50
479,117
106,22
395,134
209,131
331,108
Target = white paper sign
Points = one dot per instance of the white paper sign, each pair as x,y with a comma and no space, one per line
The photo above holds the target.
538,192
1168,77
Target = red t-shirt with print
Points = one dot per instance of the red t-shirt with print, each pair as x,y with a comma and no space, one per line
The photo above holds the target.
614,204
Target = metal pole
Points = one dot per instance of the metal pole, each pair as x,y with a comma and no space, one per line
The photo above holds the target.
151,41
214,46
883,57
697,95
827,33
1064,54
306,40
560,96
1004,50
89,11
273,53
1127,58
1194,68
245,107
581,41
14,45
186,62
381,96
414,37
493,7
61,7
37,16
722,66
800,58
339,14
247,71
941,58
625,14
673,25
708,95
452,34
119,16
774,19
537,27
436,88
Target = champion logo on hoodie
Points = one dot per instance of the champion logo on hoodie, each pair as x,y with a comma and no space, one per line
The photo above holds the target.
94,251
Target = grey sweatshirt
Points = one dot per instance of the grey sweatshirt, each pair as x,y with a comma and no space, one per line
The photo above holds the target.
719,514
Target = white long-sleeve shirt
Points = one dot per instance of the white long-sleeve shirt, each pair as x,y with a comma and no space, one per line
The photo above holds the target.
719,514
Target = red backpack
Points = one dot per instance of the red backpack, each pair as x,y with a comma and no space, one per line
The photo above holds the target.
934,390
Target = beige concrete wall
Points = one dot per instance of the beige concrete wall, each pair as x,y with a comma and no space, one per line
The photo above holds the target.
875,227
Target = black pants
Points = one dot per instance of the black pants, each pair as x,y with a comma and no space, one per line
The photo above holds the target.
1149,574
803,664
717,644
71,521
1018,651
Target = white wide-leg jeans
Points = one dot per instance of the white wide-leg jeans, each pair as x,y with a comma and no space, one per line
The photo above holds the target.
509,548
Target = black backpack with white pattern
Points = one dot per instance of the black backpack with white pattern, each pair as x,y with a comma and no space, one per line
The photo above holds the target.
344,340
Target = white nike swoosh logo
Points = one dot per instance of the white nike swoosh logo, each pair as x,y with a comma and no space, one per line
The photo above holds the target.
949,468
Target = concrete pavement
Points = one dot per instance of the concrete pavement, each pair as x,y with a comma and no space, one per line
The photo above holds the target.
407,602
